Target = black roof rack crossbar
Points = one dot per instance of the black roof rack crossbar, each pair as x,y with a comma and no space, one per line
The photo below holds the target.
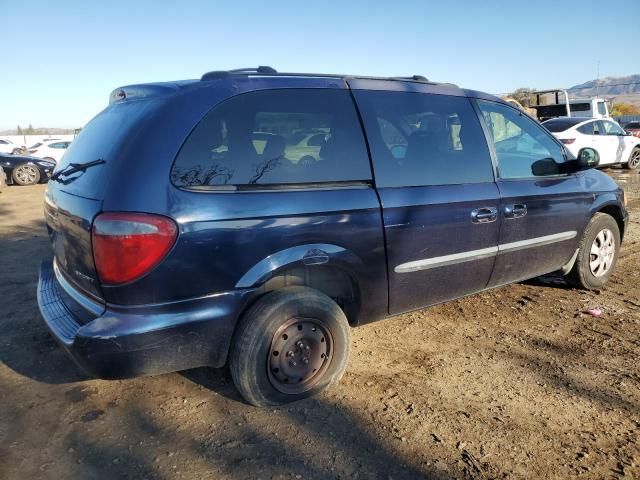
270,71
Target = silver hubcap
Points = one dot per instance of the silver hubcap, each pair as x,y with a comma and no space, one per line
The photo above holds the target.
603,250
26,174
635,159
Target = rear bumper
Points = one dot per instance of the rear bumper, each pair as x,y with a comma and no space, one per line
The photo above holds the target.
124,342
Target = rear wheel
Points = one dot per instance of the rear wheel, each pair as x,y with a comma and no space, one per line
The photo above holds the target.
290,345
26,175
634,159
598,253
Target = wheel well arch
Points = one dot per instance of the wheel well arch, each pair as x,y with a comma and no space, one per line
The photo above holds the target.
333,281
615,212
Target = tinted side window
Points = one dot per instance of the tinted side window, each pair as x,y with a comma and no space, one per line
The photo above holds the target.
580,107
523,147
612,128
423,139
601,108
262,138
587,128
598,128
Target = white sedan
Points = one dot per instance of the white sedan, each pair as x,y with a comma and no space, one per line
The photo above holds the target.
49,150
614,145
7,146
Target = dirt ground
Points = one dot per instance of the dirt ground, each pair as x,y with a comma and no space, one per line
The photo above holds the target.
512,383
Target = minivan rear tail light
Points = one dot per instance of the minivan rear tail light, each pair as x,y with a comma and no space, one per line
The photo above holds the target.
127,246
567,141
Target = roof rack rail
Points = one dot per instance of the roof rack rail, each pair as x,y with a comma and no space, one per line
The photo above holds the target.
415,78
270,71
261,70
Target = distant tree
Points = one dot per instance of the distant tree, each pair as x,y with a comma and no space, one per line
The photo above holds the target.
19,130
30,130
521,95
620,109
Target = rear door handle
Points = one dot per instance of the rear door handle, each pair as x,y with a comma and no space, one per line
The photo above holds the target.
484,215
517,210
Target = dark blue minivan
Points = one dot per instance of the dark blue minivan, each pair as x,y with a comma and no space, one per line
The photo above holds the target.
253,217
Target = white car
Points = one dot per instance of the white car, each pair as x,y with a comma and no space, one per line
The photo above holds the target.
50,149
614,145
7,146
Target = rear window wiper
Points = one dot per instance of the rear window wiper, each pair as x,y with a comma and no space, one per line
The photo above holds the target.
76,167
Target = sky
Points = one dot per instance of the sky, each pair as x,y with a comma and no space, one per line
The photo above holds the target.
61,59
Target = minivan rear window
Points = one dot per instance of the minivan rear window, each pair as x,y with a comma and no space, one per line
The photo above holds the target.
275,137
96,141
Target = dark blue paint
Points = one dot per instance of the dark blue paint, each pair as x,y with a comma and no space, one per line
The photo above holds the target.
183,313
426,222
553,205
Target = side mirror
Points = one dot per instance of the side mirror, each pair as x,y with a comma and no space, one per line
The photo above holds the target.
545,167
588,158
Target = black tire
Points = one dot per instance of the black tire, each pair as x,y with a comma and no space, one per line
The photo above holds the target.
21,177
634,160
582,274
251,350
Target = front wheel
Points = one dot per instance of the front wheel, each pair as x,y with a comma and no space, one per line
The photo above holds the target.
26,175
598,253
634,160
291,344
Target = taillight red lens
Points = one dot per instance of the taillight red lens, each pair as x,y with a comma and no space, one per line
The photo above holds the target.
128,245
567,141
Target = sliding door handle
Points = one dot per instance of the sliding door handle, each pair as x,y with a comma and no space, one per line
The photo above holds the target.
517,210
484,215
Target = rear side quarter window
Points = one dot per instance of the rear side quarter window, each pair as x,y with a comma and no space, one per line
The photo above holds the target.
275,137
586,129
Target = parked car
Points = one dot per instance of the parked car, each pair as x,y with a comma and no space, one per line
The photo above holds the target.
298,146
23,170
226,254
613,144
633,128
49,150
7,146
